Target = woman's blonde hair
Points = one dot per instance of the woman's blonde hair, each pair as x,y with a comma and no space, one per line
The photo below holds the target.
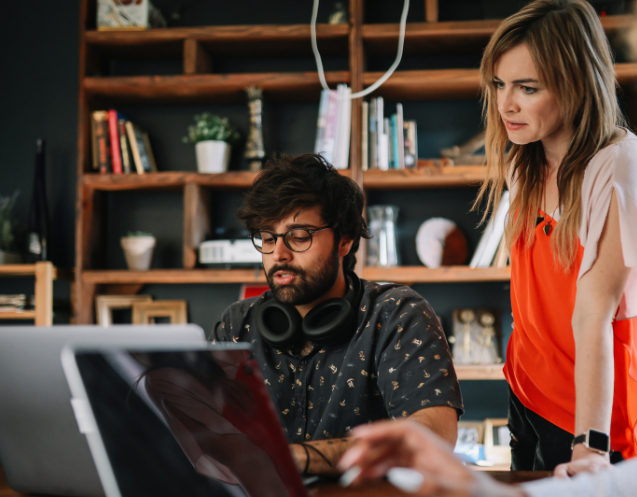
574,62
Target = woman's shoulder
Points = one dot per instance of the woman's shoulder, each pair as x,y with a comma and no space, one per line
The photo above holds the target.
613,161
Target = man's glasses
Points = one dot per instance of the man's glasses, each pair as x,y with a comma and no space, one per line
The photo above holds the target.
297,239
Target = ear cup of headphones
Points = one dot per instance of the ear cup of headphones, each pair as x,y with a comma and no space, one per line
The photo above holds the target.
278,324
329,322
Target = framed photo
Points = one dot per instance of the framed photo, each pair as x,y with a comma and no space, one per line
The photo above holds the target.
496,441
175,311
477,336
470,432
106,304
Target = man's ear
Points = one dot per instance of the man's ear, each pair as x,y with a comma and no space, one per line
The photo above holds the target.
345,245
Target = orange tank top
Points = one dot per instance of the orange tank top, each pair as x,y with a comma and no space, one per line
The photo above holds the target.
540,362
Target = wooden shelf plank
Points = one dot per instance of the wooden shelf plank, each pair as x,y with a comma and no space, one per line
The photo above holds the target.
8,270
173,180
479,372
278,40
410,275
403,179
171,276
206,88
451,36
232,180
438,84
453,84
17,314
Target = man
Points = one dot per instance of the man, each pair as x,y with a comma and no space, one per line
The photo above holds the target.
382,446
390,360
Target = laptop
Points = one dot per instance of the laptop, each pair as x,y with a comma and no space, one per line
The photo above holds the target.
188,420
41,450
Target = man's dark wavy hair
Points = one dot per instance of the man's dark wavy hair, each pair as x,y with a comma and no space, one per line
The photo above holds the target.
293,182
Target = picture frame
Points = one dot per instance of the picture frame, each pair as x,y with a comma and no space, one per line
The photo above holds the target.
477,336
497,438
470,432
106,304
146,312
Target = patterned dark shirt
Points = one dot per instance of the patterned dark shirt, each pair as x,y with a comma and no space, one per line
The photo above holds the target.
397,363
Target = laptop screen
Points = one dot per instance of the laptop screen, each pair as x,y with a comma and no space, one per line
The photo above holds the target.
192,423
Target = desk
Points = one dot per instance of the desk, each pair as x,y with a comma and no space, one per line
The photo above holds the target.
376,489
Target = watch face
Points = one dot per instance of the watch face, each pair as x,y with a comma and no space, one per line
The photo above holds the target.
598,440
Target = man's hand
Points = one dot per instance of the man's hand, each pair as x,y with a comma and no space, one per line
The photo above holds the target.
324,455
583,460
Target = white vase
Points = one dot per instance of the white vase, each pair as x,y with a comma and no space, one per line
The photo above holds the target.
138,251
212,156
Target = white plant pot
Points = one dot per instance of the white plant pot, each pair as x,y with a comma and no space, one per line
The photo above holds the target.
212,156
138,251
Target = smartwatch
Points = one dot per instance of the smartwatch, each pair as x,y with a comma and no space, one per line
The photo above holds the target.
597,441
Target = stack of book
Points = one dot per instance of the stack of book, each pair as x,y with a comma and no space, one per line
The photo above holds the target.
492,249
119,146
387,142
333,126
13,303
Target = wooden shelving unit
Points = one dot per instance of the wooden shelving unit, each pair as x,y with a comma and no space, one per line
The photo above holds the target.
479,372
44,273
198,83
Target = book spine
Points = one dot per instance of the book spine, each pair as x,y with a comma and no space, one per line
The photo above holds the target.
116,154
400,136
395,154
365,136
346,128
382,133
373,135
123,144
320,124
330,127
383,146
95,152
100,118
132,139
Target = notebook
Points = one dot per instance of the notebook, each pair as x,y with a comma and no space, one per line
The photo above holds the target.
41,450
189,420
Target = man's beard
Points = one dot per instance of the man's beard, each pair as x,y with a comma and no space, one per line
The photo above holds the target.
307,287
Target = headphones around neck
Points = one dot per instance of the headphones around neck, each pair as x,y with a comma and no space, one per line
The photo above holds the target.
329,323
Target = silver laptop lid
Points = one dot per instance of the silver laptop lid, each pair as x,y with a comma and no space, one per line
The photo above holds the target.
194,421
41,450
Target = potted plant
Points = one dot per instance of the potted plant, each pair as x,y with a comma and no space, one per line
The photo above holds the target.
138,249
212,136
9,231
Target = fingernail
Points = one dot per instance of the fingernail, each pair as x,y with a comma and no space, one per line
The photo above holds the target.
349,476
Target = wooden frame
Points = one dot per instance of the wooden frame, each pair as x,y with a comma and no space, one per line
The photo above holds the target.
146,312
496,450
105,304
470,432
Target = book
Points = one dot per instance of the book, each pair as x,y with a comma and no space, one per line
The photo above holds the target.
365,136
395,162
373,135
320,124
346,128
411,144
338,128
123,145
152,166
488,244
383,145
502,254
400,136
327,148
136,140
113,133
100,125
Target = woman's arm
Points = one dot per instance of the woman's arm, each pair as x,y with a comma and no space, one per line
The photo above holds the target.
599,292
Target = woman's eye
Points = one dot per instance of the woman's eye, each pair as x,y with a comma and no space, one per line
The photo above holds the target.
498,85
529,90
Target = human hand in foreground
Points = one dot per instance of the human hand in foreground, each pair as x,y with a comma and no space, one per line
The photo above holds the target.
381,446
583,461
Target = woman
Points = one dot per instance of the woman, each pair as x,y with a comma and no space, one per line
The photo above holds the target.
549,93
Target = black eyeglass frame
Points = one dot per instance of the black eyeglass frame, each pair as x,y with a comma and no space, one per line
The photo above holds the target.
309,231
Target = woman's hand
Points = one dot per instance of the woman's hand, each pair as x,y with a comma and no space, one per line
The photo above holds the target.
381,446
582,461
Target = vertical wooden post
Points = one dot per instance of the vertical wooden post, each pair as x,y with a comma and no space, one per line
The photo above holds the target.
196,221
44,274
431,10
196,58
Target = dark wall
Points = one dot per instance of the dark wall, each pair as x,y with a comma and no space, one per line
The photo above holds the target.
39,87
